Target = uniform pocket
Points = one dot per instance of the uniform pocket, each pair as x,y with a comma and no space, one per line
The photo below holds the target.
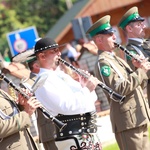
132,115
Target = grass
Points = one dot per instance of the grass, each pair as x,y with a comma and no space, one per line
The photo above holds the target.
114,146
111,147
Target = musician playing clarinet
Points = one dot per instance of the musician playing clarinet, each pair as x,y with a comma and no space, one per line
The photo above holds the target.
70,101
134,29
44,124
14,122
129,119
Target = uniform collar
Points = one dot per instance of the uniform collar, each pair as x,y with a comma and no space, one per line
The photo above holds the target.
107,54
136,41
111,53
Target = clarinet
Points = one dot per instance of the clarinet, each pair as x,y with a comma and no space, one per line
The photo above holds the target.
127,51
113,95
58,123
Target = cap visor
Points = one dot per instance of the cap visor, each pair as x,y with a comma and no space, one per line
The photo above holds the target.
140,18
108,31
137,19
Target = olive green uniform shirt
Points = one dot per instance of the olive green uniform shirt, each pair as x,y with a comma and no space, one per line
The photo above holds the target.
134,110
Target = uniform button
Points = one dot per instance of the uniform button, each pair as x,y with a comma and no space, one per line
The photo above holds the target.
81,118
82,123
61,134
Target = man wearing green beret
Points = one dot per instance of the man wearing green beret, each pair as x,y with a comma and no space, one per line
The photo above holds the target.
130,118
133,26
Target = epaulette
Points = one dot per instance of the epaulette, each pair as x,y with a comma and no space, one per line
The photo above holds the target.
130,48
101,58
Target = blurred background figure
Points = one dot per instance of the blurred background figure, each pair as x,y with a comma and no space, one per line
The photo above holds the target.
70,54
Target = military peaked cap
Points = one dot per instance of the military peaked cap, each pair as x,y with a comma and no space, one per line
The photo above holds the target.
102,26
130,16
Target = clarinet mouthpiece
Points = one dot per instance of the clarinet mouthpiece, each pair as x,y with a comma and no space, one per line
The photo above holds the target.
116,44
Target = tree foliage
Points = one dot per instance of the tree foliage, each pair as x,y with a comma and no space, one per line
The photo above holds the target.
19,14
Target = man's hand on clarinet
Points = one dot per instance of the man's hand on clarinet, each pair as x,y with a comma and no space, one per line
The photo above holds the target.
144,64
92,83
31,104
89,81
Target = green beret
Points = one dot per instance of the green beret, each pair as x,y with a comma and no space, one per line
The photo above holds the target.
102,26
130,16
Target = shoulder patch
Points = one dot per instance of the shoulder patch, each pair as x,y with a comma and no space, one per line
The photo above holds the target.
105,71
129,57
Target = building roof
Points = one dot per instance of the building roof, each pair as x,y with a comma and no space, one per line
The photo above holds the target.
66,19
62,30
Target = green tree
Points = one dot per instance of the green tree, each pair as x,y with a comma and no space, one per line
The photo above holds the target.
19,14
8,23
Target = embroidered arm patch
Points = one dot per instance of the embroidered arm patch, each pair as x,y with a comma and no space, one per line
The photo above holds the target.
105,71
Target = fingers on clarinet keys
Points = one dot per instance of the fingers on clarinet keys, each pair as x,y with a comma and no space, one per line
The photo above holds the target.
145,66
148,65
136,63
21,99
91,83
31,105
83,73
145,59
139,58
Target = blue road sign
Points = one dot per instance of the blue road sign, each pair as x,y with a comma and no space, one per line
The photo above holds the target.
21,40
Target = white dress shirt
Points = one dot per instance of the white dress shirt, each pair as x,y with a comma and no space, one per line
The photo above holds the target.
61,94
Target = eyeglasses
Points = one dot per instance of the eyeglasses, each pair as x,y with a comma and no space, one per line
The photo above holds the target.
55,50
51,51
